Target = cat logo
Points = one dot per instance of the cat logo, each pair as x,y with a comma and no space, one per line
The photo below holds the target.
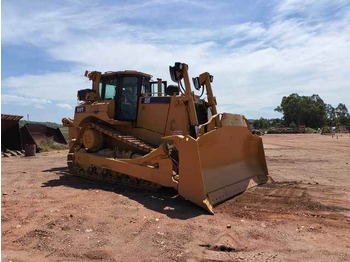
80,109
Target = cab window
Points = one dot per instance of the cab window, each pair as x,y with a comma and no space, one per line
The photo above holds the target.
154,88
110,92
100,88
145,86
107,89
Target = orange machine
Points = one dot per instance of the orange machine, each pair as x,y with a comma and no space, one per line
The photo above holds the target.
130,129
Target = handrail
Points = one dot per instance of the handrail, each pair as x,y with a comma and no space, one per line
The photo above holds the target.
150,94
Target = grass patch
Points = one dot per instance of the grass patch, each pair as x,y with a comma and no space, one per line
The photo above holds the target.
49,146
310,130
49,124
65,132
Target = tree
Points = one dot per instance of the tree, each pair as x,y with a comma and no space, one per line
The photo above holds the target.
344,121
303,110
276,122
261,123
331,116
292,125
342,115
341,110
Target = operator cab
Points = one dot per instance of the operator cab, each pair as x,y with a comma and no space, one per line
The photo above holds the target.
125,88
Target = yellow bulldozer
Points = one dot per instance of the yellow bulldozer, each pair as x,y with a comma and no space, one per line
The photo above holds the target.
130,129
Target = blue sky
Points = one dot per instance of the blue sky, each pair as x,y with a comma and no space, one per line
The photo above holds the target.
258,51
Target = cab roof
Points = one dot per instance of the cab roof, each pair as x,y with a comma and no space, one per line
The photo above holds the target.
126,72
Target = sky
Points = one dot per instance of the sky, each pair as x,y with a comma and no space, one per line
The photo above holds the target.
258,51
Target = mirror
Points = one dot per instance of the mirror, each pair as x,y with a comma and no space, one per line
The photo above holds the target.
172,72
196,83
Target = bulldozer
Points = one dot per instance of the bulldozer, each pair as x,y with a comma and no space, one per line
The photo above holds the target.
132,130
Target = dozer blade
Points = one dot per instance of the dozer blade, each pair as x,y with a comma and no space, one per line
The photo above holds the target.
220,164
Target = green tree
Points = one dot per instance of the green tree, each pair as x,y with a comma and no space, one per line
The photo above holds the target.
303,110
261,123
292,124
341,110
331,116
342,115
276,122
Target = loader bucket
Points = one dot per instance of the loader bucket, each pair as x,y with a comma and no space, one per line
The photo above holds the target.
221,163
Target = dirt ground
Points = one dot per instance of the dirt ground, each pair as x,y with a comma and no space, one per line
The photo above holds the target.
48,215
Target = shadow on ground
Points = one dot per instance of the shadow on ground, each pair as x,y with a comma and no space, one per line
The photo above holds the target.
164,200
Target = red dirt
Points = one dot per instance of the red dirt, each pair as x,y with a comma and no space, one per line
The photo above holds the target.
48,215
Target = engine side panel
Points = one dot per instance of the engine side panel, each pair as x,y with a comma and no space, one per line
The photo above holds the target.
153,113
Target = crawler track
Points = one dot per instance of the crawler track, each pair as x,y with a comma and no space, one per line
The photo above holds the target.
104,175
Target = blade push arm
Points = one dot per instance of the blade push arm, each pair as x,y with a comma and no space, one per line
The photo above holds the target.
205,79
178,72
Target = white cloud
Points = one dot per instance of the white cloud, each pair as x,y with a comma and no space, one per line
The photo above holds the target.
310,7
302,48
24,101
64,106
51,86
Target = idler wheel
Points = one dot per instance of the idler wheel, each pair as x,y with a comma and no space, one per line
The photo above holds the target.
92,140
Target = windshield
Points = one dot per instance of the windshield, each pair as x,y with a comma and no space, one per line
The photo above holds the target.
107,88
